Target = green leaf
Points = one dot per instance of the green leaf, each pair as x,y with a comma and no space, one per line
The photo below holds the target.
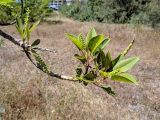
85,83
34,25
113,72
19,23
124,77
104,74
80,37
19,26
101,59
108,89
95,42
104,43
20,31
76,41
108,61
28,34
26,18
92,33
6,1
78,71
121,56
126,64
81,58
89,76
117,59
35,43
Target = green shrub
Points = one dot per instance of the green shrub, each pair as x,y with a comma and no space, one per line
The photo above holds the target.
116,11
150,16
141,18
8,13
72,10
39,9
153,13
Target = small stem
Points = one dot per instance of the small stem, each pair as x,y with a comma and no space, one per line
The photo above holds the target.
87,66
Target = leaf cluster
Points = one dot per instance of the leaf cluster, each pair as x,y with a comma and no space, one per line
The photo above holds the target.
23,26
9,10
98,66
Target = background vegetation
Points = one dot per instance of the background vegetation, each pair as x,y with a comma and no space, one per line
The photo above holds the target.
38,10
116,11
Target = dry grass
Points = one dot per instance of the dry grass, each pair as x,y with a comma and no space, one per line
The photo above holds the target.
27,93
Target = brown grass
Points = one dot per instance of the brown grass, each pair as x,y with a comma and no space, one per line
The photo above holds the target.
27,93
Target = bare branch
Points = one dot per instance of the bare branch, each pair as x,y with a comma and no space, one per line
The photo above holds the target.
20,43
10,38
44,49
25,46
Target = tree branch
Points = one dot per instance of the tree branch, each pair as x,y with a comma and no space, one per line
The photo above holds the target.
25,46
44,49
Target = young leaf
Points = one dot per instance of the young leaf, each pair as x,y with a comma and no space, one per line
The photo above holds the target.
34,25
101,59
108,61
26,18
81,58
20,31
89,76
104,43
117,59
121,56
104,74
124,77
6,1
35,43
80,37
92,33
95,42
28,34
20,27
126,64
76,41
19,23
108,89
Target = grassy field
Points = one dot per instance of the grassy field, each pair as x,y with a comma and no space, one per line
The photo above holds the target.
28,94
